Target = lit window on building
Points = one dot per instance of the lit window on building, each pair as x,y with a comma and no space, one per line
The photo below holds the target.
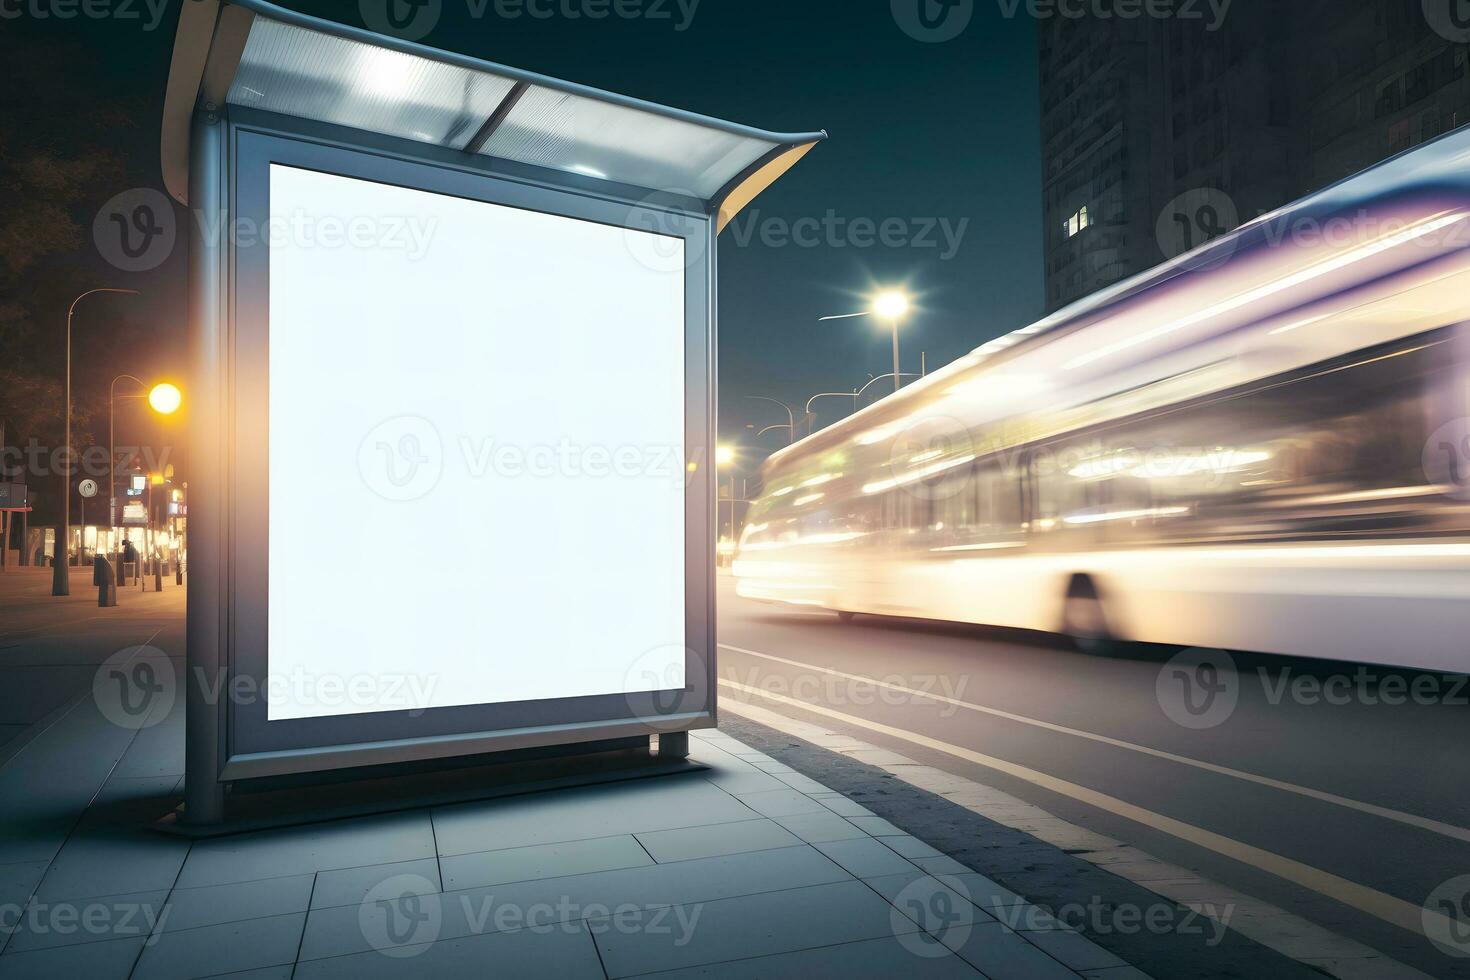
1077,221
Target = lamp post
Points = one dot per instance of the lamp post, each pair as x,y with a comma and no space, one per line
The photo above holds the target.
60,577
154,480
891,306
790,425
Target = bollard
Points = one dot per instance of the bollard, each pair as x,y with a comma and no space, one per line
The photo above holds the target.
178,570
157,574
106,582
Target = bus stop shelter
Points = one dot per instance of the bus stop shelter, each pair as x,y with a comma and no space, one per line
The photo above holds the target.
451,332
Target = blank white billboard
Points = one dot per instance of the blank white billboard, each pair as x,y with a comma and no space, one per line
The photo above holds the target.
477,468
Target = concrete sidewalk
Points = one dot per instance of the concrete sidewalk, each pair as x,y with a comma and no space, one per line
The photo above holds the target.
747,869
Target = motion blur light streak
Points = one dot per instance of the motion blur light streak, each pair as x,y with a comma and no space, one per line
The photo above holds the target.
917,475
1124,515
1192,494
1318,270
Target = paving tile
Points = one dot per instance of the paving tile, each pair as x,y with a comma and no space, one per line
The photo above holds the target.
864,857
348,886
190,908
942,865
247,945
870,959
95,961
400,911
321,847
542,861
784,802
338,931
1001,954
742,781
18,880
48,785
688,843
982,891
282,972
134,802
771,766
1025,917
1123,973
579,814
878,827
31,693
112,861
820,827
911,847
802,784
929,901
46,925
1074,950
561,952
842,806
737,928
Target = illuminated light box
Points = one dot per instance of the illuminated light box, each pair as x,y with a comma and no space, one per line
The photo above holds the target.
452,401
513,375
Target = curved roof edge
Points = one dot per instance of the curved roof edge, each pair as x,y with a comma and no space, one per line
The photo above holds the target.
211,36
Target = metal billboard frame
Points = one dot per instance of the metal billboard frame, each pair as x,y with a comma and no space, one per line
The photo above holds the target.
227,740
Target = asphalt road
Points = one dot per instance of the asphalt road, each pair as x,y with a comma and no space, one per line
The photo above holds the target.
1338,793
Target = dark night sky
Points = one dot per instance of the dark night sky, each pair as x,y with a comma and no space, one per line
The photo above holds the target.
942,135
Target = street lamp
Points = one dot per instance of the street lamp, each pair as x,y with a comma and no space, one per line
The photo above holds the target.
60,575
790,425
891,305
163,398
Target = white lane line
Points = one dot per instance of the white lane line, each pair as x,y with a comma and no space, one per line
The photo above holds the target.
1333,954
1380,905
1398,816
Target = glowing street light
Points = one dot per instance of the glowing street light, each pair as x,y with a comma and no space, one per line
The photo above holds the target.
165,398
724,455
891,305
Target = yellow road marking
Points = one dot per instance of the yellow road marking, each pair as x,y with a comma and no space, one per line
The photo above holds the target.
1380,905
1399,816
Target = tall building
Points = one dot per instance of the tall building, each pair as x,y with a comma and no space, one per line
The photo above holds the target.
1158,134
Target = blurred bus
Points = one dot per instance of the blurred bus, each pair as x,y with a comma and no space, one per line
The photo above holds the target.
1261,445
